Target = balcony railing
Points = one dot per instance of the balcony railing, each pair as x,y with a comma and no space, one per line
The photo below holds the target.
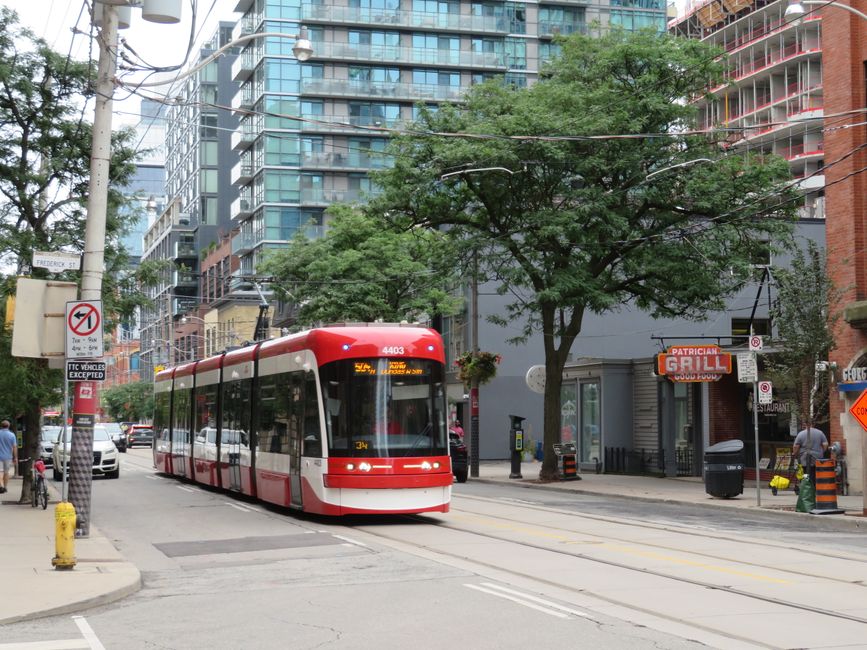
242,173
381,89
242,243
241,208
352,160
342,123
803,150
327,197
773,58
185,250
402,55
397,18
547,28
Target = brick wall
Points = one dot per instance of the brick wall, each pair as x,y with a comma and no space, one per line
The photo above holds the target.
843,71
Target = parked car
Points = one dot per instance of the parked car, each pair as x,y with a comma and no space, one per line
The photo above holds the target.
140,434
106,461
118,435
48,435
458,452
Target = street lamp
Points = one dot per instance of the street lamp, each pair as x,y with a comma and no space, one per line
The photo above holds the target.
796,8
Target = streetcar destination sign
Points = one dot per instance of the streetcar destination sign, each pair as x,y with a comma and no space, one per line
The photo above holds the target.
85,370
694,363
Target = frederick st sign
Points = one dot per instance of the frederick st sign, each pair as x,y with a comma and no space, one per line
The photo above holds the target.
694,363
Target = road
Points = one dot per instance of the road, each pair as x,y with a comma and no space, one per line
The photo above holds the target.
506,568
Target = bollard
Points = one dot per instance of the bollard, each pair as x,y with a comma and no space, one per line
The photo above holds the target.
826,489
64,540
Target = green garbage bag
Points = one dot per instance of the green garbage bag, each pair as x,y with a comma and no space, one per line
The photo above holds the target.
806,496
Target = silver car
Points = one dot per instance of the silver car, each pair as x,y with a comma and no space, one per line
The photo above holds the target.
106,460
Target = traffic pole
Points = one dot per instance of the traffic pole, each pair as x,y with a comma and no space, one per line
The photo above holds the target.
84,402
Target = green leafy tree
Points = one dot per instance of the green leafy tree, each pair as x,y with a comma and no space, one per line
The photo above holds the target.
45,146
133,402
558,200
805,311
363,269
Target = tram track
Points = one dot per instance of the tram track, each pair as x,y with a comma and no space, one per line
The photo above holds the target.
634,523
798,608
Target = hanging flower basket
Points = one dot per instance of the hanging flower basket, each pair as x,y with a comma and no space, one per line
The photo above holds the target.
478,367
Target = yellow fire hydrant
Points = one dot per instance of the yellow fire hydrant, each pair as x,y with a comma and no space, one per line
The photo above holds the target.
64,536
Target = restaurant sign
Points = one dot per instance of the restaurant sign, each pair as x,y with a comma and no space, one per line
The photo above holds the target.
694,363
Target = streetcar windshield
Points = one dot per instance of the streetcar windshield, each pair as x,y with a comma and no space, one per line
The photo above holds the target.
384,407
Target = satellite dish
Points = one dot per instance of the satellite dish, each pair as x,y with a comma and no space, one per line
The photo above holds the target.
536,379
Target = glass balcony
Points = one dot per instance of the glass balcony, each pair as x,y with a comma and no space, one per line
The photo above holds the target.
242,243
242,173
352,160
243,137
312,13
241,208
185,250
243,66
403,55
382,89
184,279
345,124
322,197
243,99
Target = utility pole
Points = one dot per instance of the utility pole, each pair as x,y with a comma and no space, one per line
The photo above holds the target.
474,387
85,398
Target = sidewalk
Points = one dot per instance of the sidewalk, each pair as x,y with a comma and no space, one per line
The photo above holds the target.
687,490
102,575
33,588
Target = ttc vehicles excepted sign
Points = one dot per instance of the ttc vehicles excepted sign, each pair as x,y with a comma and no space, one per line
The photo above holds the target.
694,363
85,370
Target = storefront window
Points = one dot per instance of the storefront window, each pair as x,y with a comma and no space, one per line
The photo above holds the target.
591,450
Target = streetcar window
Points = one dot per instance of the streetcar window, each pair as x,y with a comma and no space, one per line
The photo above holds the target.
384,407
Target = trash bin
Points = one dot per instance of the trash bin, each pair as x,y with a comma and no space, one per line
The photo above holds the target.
724,469
567,466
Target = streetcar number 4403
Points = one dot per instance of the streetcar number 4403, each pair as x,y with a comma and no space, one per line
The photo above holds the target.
393,349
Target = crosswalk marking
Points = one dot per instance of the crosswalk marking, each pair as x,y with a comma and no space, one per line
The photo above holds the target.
88,633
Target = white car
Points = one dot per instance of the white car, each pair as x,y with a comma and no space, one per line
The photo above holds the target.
106,460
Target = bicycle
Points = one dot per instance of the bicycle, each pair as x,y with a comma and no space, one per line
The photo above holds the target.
38,484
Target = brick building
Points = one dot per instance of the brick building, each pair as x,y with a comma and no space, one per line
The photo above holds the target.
845,97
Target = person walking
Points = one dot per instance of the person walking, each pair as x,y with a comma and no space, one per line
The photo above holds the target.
810,445
8,454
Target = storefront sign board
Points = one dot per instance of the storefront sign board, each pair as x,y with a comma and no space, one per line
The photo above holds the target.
694,363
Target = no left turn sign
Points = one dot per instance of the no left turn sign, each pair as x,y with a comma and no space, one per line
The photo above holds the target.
84,329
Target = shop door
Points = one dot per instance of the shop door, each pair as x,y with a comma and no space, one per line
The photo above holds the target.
591,423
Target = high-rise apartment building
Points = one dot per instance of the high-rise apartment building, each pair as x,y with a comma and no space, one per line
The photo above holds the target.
311,131
772,98
199,159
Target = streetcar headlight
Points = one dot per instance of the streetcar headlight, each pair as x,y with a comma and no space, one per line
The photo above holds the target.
364,467
425,465
350,466
436,465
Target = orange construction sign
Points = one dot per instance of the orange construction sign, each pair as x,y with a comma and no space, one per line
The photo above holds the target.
859,409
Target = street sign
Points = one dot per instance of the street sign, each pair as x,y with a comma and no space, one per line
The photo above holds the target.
756,343
859,409
765,392
56,262
748,370
84,329
694,363
85,370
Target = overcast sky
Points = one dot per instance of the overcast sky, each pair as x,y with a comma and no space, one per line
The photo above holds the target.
159,45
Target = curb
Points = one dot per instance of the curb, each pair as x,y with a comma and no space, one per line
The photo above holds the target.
846,523
81,605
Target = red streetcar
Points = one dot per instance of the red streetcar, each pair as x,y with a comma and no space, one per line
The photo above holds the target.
337,420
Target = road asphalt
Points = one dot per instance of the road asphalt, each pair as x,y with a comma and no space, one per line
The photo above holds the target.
34,589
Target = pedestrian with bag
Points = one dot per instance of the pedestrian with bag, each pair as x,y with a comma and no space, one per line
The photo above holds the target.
810,445
8,454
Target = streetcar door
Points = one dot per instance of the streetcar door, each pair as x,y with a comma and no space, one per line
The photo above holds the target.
232,445
296,420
